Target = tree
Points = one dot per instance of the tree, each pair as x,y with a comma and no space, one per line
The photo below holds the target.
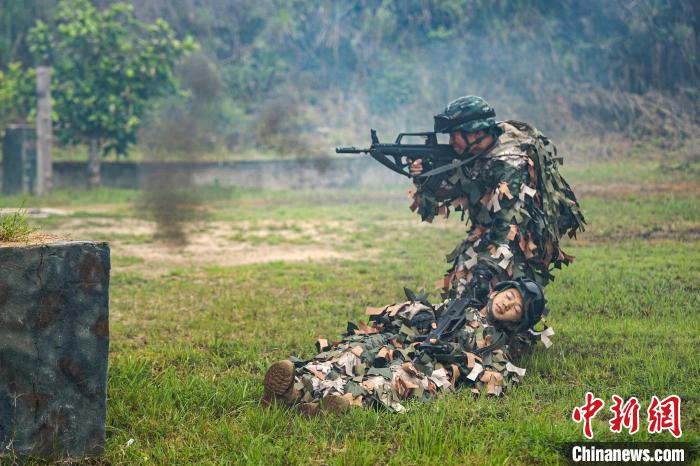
108,68
17,94
16,18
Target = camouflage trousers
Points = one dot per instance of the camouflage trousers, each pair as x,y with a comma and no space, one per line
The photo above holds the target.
381,370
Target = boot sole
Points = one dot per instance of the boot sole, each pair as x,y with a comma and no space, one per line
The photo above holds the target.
279,377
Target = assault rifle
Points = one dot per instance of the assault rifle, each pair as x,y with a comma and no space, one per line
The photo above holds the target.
437,158
449,322
435,343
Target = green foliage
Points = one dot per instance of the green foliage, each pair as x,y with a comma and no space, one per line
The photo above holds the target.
16,18
17,94
392,85
14,226
572,67
577,67
108,67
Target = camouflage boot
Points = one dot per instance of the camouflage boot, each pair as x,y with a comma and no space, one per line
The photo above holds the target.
334,404
309,409
279,384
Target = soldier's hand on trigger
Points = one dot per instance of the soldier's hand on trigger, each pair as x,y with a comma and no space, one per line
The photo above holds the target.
416,167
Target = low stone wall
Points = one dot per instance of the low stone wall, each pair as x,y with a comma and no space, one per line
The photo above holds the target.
54,342
336,172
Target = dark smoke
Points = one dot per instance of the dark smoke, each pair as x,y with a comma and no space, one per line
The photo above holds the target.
172,203
175,135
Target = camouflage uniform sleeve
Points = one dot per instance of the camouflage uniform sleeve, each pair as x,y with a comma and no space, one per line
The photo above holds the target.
435,197
522,344
504,183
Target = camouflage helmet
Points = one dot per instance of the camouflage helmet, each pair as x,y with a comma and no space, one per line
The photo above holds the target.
469,114
533,301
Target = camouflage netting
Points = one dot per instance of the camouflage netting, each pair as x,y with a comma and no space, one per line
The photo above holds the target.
383,364
518,206
54,342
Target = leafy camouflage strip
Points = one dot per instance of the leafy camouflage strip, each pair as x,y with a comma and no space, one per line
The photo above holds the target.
378,365
518,206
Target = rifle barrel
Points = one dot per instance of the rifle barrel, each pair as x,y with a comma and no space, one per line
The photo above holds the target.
350,150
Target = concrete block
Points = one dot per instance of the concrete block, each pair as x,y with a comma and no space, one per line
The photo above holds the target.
54,343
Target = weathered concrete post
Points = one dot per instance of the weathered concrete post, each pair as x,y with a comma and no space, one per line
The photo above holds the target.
44,133
54,342
18,159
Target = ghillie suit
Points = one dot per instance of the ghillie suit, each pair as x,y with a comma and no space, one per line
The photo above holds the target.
518,205
394,358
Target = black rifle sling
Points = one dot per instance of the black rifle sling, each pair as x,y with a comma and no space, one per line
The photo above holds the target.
452,166
448,167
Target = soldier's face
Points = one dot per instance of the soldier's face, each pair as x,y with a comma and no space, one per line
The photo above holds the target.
508,305
457,142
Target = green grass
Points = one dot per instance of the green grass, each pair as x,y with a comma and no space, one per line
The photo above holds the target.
641,216
15,226
189,348
210,334
73,197
271,240
126,261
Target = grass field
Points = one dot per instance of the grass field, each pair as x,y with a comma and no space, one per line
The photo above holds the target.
193,329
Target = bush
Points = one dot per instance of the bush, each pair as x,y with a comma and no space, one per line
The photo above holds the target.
14,226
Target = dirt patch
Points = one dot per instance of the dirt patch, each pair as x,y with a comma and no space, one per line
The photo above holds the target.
292,231
102,226
36,238
158,256
214,243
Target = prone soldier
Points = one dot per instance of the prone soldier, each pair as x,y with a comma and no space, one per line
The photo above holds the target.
413,350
